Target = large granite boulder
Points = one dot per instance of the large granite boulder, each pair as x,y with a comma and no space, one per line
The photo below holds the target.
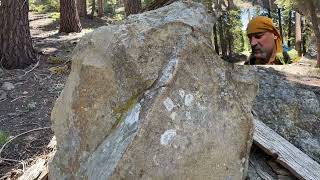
149,99
289,102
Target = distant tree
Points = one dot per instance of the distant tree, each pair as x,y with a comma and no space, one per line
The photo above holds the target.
132,6
82,7
280,23
289,28
69,18
304,49
100,8
315,25
16,50
93,7
298,33
216,45
309,8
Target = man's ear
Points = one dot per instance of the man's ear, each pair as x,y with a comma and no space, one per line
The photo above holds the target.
275,37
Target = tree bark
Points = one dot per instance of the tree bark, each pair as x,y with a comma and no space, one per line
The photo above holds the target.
270,9
315,27
231,4
298,33
69,18
100,8
132,6
223,44
304,49
82,7
93,7
16,50
289,28
280,24
156,4
216,45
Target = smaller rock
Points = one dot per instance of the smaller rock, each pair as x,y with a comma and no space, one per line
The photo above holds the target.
25,92
7,86
3,95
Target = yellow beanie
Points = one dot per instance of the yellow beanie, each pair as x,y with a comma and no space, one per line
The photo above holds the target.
263,24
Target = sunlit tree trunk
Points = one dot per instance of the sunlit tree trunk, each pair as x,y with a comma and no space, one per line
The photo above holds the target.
93,7
16,50
100,8
289,28
69,18
280,24
298,33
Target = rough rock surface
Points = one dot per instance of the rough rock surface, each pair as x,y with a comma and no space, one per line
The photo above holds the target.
289,103
149,99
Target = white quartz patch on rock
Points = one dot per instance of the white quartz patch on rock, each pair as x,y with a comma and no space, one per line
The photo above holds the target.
168,103
133,115
188,100
182,93
167,136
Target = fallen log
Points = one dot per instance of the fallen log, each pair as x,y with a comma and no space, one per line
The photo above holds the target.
286,154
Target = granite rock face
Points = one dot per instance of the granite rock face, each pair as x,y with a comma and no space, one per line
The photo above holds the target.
287,104
149,99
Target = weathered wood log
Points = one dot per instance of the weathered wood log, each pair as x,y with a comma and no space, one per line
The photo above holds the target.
39,170
286,154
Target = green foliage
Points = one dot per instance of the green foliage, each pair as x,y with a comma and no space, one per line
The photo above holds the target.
55,15
4,137
235,25
110,7
293,54
42,6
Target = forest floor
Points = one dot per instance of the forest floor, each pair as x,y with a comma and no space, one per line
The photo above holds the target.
27,96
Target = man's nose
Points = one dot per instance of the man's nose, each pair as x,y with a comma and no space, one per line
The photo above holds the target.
253,42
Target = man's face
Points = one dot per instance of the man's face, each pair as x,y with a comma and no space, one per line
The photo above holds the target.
262,45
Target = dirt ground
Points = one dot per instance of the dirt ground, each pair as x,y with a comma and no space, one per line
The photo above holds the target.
26,105
25,109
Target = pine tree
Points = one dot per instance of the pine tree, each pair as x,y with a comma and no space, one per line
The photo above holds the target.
16,50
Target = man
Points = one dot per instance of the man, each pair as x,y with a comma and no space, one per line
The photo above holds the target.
265,41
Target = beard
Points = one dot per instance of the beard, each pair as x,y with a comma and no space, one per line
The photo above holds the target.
260,55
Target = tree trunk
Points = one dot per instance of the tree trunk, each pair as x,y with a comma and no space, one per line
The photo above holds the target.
216,45
280,24
16,50
298,33
132,6
289,28
304,49
93,8
69,18
222,39
231,4
315,26
100,8
270,9
82,7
